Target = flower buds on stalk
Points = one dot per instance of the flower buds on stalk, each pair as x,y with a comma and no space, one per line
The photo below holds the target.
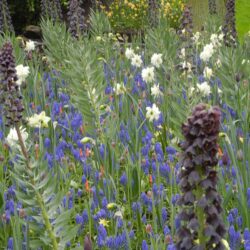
186,26
5,19
212,7
51,9
45,8
186,34
58,9
202,226
229,28
10,95
76,18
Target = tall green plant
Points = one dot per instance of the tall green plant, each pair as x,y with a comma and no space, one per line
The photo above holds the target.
77,61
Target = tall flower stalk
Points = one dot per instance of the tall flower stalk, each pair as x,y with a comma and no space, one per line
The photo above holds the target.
5,18
51,9
212,7
186,26
76,18
10,94
229,28
186,33
202,226
11,99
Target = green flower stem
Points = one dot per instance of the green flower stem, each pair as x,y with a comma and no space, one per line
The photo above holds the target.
38,195
47,222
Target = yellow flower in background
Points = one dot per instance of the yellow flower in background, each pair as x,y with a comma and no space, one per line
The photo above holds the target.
111,205
104,222
171,10
126,15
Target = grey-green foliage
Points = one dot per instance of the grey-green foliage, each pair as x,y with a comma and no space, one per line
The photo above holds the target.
79,65
41,194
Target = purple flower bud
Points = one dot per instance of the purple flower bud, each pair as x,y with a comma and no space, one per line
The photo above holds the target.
10,245
79,219
124,179
47,143
170,150
144,245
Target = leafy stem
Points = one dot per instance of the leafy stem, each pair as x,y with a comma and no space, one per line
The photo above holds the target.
38,195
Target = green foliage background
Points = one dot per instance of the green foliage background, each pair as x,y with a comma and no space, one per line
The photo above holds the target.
242,17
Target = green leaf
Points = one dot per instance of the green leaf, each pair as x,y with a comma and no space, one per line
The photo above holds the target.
69,234
135,185
1,201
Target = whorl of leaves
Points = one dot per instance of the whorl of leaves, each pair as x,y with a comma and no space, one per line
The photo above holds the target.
212,7
5,18
76,18
198,180
229,28
10,95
